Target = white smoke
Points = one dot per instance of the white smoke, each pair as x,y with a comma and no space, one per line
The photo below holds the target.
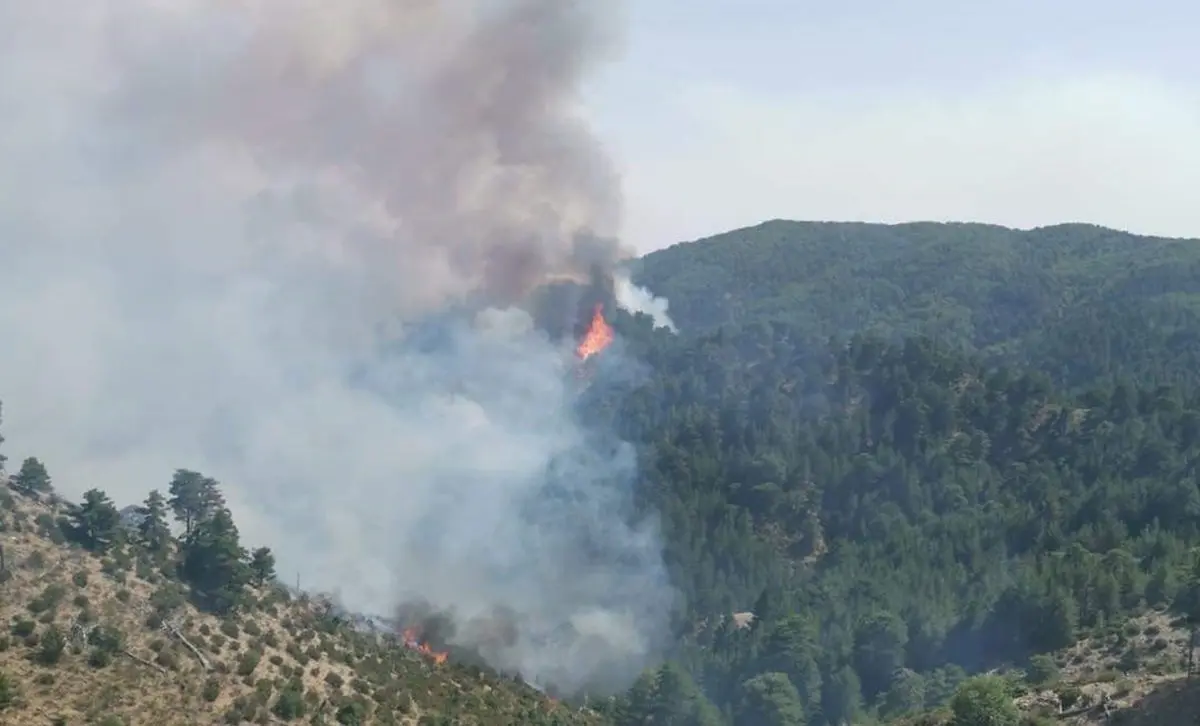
634,299
224,226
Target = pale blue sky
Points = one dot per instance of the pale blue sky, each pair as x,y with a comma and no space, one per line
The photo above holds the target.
725,113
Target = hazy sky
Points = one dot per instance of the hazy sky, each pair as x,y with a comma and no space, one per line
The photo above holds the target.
1024,113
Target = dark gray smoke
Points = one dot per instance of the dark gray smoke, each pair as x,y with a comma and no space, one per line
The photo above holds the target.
239,237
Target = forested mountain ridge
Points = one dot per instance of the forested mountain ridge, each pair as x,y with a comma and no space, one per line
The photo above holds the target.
1035,296
902,507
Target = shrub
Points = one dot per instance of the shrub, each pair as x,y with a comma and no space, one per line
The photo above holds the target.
52,646
248,662
8,692
211,690
1042,670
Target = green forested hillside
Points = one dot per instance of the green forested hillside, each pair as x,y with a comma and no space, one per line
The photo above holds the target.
1003,459
887,461
1076,300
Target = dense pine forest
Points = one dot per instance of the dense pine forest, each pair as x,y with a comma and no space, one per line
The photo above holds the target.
913,453
887,460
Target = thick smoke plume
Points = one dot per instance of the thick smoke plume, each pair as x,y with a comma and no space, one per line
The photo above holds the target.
286,243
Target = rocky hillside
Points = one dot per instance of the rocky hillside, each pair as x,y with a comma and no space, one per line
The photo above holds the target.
1134,675
114,640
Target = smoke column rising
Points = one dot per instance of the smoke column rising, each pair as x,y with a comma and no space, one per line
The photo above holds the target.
223,225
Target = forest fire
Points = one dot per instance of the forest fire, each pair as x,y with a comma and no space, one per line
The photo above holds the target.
412,640
598,336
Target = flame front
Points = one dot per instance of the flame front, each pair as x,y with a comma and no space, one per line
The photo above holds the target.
412,639
599,335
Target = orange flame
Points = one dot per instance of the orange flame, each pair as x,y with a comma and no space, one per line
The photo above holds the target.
412,639
598,337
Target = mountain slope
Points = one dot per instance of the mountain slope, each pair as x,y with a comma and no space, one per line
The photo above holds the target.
88,639
1037,296
892,512
856,527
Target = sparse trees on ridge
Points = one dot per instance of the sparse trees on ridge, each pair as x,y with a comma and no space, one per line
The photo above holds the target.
154,533
32,480
96,521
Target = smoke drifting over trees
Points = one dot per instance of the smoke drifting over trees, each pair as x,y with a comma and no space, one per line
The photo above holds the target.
220,223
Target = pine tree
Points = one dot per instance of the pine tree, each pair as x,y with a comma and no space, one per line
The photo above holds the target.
791,649
153,531
96,521
879,643
262,565
194,498
841,698
770,699
213,562
32,480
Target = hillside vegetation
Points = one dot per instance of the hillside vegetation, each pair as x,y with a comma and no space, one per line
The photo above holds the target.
922,474
102,626
900,502
1077,301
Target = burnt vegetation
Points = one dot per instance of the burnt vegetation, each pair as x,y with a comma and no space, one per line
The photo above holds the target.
926,473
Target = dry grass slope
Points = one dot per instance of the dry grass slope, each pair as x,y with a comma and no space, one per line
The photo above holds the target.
1134,675
113,641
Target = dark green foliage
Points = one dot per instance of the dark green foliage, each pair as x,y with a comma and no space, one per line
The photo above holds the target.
248,662
984,701
668,695
95,522
262,566
194,498
289,704
106,639
1001,461
212,562
1079,301
153,532
1042,670
51,646
8,692
351,713
928,473
211,690
32,480
49,599
770,699
905,694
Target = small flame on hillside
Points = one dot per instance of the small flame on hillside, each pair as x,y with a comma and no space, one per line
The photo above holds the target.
412,640
599,335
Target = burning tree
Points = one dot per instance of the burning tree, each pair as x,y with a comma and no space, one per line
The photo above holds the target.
598,336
